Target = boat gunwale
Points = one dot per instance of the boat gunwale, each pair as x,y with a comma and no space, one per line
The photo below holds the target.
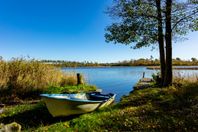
75,99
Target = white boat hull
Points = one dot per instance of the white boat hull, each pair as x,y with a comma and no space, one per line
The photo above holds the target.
67,106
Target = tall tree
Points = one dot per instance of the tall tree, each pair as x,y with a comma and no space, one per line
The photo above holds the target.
146,22
142,24
161,40
168,37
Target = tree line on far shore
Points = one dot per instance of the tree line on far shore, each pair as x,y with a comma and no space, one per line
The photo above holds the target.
132,62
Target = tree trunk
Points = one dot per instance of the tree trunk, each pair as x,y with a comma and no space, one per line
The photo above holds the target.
168,37
161,41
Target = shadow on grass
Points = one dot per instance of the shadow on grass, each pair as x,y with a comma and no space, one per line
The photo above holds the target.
35,117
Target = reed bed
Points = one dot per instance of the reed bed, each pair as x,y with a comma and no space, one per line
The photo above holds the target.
20,78
184,78
174,67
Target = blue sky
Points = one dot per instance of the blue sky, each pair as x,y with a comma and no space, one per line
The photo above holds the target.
69,30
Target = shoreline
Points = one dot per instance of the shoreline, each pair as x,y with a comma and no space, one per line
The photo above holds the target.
148,67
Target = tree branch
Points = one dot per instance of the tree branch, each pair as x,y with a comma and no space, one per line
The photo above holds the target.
184,19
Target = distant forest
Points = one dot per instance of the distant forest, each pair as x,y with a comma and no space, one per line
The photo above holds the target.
138,62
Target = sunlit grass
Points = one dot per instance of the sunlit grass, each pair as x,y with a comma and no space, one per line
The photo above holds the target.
22,78
152,109
71,89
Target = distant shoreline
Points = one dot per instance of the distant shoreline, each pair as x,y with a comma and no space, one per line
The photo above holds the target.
189,67
138,62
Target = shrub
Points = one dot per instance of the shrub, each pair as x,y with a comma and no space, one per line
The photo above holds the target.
156,77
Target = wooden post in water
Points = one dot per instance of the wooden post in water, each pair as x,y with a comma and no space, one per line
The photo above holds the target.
143,75
79,79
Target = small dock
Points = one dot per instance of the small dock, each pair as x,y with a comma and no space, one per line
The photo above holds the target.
143,83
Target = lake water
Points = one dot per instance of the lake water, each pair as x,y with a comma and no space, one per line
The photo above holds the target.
118,80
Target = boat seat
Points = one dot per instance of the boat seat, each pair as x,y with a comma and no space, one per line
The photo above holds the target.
98,97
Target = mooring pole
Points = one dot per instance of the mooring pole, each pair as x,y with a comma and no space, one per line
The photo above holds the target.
79,79
143,75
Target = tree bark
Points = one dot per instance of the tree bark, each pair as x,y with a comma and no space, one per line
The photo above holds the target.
168,37
161,41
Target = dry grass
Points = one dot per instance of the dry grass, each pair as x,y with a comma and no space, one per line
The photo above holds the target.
185,78
19,76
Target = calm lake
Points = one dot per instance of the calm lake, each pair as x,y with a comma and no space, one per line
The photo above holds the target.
118,80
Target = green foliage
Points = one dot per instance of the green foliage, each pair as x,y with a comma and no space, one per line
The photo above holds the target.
134,25
156,77
194,59
137,21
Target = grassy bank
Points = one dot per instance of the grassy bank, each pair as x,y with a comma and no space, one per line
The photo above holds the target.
153,109
24,79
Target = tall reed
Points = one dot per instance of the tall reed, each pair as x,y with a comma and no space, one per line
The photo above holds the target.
20,76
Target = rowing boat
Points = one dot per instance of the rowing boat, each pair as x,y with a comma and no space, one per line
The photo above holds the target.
79,103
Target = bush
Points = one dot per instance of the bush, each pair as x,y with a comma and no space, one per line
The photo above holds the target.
20,78
156,77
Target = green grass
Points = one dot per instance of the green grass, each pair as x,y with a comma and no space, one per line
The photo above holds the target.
146,110
33,116
153,109
29,116
71,89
